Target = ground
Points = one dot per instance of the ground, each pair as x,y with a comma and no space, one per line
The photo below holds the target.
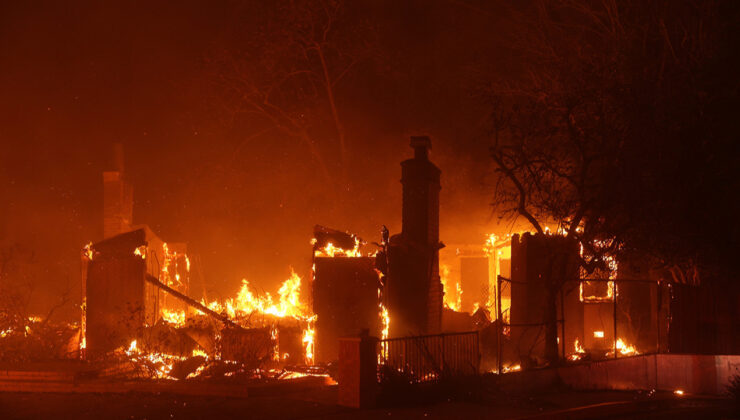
320,403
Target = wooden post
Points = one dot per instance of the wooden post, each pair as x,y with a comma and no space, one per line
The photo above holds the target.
500,322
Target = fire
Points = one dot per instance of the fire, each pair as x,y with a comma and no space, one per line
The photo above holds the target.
514,368
290,294
288,304
160,364
608,297
386,319
490,245
274,336
174,317
599,334
88,252
308,337
141,252
626,349
578,351
332,251
131,348
444,277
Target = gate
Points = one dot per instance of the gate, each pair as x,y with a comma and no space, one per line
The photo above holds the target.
428,358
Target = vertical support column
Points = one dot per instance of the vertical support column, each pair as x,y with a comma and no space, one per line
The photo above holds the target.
358,371
500,323
562,320
616,293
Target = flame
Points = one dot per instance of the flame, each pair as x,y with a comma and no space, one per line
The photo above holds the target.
678,392
132,348
308,340
599,334
626,349
444,272
88,252
490,244
141,251
199,352
174,317
579,351
83,327
274,336
332,251
459,295
609,297
288,304
161,363
514,368
386,321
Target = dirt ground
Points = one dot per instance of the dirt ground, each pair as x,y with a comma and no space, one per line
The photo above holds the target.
320,403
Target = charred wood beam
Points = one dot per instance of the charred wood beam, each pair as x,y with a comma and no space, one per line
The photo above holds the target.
192,302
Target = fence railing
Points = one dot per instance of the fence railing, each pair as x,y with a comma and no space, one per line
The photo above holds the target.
429,358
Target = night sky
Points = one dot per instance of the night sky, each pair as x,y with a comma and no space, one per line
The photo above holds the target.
76,78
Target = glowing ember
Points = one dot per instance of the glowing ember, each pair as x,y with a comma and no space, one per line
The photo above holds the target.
159,364
87,251
678,392
608,296
599,334
514,368
141,251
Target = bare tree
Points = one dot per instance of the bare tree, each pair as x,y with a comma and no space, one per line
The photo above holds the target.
569,131
287,75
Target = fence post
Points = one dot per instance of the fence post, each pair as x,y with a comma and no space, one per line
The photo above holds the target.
616,293
562,318
500,323
358,371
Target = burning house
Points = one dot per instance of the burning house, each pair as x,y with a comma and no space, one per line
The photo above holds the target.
119,299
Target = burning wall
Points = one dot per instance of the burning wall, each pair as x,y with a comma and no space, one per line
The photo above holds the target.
114,293
345,301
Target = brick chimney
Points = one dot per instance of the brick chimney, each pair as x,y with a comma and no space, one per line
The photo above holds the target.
118,197
414,289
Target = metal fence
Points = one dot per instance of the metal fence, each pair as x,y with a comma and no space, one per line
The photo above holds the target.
629,315
429,358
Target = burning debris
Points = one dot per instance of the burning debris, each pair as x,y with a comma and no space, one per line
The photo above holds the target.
251,333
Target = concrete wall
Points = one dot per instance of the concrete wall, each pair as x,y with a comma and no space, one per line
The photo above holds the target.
694,374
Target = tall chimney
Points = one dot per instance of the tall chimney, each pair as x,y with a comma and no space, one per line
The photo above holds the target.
420,180
118,197
414,292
